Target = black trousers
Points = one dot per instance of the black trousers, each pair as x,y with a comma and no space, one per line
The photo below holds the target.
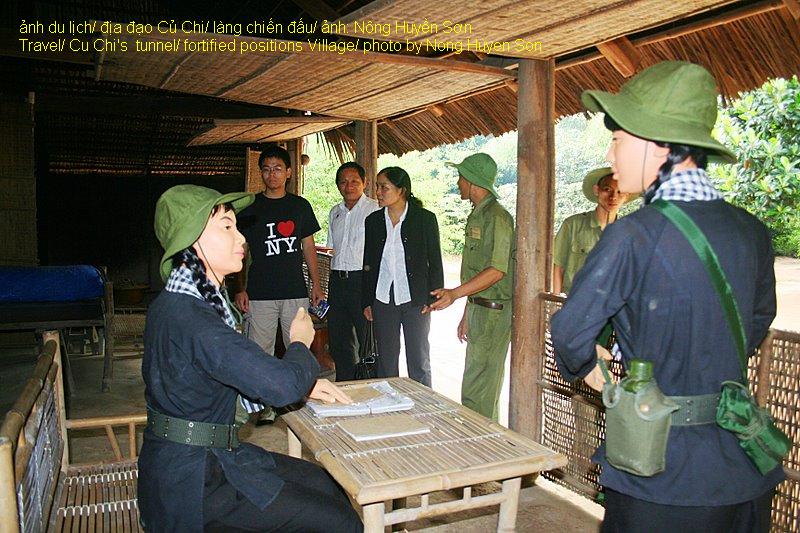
310,501
630,515
387,321
346,322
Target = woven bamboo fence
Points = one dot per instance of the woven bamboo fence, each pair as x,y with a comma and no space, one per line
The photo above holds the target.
573,419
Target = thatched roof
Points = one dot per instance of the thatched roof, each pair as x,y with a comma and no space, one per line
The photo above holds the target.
742,54
561,28
135,112
356,85
262,130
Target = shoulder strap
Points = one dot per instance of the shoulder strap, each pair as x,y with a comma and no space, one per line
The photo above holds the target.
698,240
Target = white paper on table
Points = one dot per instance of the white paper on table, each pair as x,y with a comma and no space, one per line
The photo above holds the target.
387,401
382,427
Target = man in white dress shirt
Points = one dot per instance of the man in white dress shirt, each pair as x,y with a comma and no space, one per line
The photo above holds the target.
346,322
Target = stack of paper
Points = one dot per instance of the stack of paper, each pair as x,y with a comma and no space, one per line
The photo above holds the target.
367,399
383,427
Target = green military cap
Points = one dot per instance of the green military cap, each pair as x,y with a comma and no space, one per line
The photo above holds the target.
672,101
593,178
478,169
182,213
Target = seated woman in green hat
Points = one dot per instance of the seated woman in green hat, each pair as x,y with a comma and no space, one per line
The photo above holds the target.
580,232
645,276
194,474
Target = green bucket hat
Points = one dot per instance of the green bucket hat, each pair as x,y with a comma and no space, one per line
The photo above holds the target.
478,169
593,178
672,101
182,213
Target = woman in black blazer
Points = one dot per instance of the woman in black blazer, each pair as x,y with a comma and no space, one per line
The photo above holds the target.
402,265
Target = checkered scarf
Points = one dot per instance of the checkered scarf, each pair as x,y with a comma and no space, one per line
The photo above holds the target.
180,281
686,186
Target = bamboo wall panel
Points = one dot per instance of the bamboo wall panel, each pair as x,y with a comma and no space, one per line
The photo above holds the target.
18,244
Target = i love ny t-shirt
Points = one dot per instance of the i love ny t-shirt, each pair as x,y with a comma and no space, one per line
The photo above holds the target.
274,229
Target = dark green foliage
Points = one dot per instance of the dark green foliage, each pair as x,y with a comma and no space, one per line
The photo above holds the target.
763,126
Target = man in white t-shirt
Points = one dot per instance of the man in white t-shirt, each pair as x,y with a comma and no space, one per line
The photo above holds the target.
346,322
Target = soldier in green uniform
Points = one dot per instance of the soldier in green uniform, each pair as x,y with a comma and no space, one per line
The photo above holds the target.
579,233
487,272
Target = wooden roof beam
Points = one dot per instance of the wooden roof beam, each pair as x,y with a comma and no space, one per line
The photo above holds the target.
437,110
794,8
672,33
622,55
303,119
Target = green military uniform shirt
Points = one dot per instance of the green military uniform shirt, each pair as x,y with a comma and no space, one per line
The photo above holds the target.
575,239
489,242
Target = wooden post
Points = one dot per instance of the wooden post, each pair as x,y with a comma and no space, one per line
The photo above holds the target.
9,514
535,204
367,152
60,400
252,179
295,148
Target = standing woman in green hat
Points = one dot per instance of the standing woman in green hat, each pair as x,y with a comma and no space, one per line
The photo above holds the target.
194,474
645,276
580,232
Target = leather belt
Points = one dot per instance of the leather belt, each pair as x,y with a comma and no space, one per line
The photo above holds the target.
193,433
483,302
695,410
344,274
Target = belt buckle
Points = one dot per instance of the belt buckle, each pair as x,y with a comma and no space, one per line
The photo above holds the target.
344,274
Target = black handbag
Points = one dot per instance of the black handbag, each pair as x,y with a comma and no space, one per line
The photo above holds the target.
367,354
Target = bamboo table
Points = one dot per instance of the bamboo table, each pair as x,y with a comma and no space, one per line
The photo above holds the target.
462,449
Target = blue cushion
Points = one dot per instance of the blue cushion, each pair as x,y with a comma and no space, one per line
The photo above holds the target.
50,284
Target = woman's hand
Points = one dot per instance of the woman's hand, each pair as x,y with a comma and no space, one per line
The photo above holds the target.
368,313
595,378
302,329
327,392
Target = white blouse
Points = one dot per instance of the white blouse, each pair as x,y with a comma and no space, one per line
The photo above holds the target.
393,264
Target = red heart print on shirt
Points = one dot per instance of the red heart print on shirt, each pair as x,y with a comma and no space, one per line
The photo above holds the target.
286,228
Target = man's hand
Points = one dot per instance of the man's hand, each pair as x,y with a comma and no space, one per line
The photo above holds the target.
368,313
461,332
302,329
317,295
327,392
444,298
242,301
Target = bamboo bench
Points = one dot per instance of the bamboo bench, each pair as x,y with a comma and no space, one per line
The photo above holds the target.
39,489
